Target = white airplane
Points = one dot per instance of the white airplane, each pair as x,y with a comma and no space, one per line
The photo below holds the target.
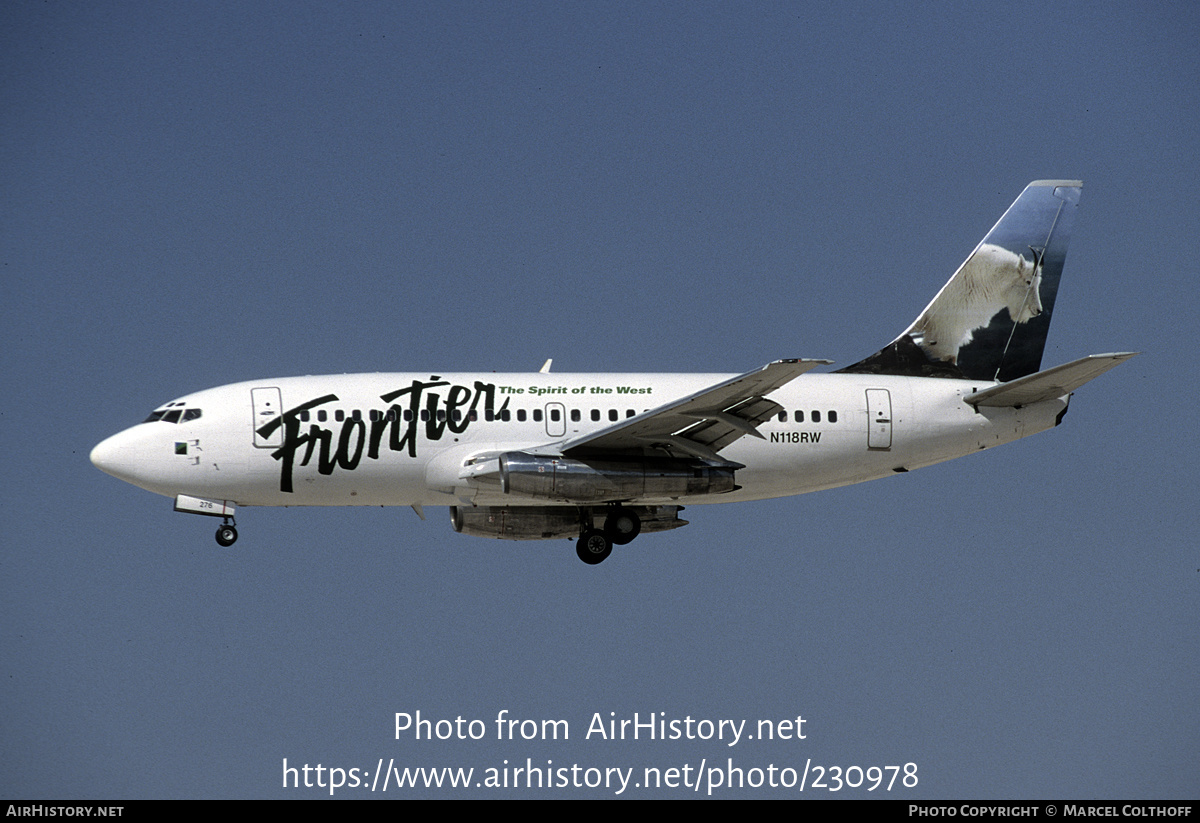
605,457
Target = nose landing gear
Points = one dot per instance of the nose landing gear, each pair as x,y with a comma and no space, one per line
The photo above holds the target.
224,509
227,533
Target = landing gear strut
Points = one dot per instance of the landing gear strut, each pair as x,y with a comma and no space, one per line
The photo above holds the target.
227,533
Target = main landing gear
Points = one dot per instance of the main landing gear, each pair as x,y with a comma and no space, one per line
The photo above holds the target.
620,527
227,533
593,546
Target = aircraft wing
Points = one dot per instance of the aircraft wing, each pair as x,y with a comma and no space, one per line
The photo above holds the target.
699,425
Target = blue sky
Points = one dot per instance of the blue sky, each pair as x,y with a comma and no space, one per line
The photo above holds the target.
196,194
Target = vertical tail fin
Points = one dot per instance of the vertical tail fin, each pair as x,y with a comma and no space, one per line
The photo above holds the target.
990,321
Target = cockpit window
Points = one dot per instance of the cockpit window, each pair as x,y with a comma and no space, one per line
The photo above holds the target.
173,415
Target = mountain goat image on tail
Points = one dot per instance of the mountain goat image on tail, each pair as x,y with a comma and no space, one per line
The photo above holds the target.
990,321
992,279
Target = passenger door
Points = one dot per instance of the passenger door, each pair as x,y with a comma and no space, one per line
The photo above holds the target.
267,407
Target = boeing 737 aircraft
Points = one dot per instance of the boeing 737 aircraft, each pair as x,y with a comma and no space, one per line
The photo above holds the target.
606,457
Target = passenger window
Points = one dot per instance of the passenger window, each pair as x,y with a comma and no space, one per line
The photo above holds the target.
612,415
391,413
322,416
489,415
833,417
304,415
629,412
339,415
595,415
537,415
554,415
424,415
505,415
520,415
816,417
473,415
783,417
408,415
574,415
356,415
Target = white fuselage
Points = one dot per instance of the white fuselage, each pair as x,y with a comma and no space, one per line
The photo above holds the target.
404,439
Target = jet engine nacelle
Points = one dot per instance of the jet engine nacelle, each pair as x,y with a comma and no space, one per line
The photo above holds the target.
560,478
547,522
516,522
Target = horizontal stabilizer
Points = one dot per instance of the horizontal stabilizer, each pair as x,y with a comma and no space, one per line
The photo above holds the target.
1048,384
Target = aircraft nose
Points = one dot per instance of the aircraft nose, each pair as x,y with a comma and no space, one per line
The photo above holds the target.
116,456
